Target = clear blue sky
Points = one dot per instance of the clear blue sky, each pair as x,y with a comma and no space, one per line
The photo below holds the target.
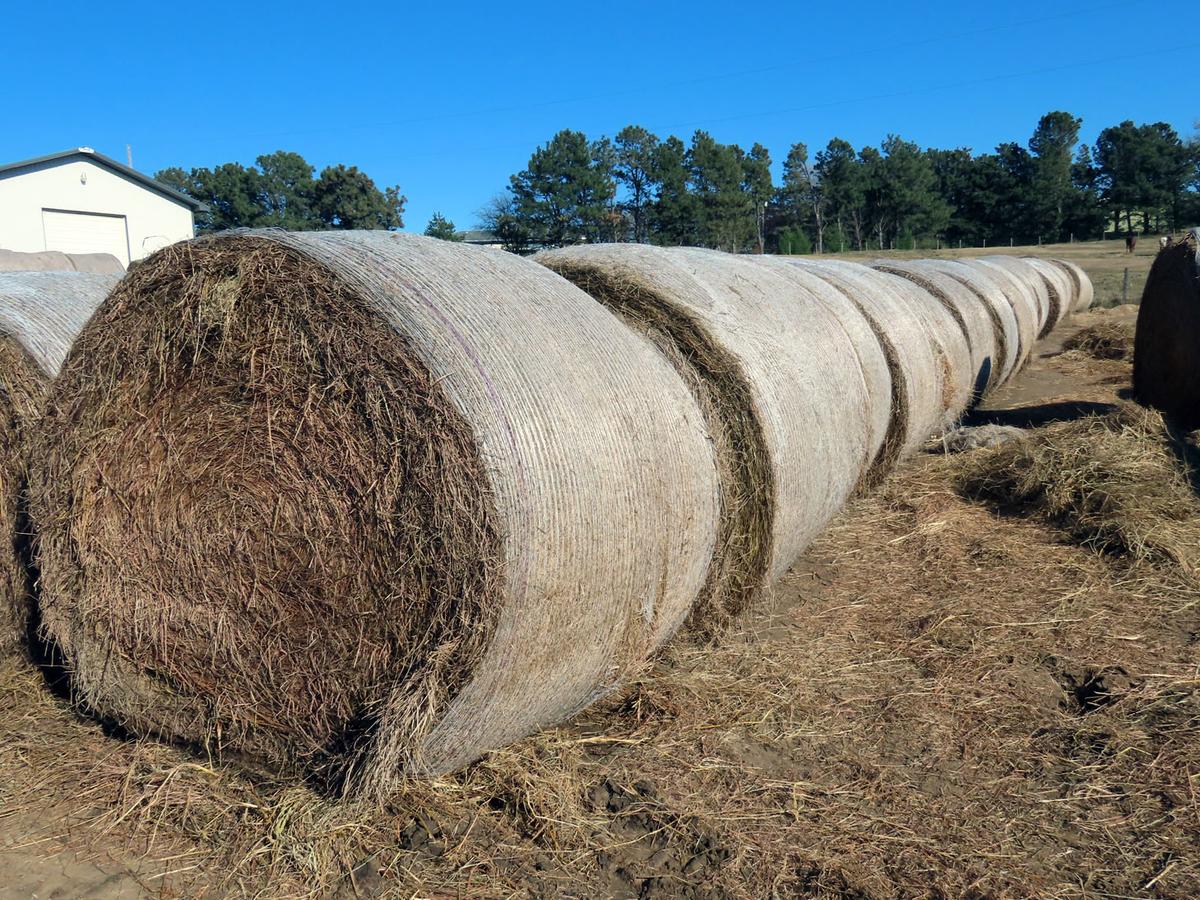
447,100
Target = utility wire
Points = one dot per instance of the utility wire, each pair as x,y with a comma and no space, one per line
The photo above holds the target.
857,51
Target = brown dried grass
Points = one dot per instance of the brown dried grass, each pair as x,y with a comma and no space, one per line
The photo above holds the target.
197,598
1166,362
23,387
1003,714
1105,340
1120,483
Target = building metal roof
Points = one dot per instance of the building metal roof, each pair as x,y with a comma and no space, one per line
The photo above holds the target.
121,169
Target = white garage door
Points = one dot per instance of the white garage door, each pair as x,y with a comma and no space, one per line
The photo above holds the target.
81,232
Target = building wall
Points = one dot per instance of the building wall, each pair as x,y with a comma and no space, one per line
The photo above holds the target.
151,220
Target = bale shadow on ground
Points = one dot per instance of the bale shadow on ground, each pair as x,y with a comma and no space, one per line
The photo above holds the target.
1040,414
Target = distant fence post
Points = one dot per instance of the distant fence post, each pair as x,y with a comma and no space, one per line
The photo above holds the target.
1125,287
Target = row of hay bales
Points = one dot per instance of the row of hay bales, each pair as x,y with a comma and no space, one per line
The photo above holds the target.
361,505
56,261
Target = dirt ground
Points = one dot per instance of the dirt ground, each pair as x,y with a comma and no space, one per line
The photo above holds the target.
941,700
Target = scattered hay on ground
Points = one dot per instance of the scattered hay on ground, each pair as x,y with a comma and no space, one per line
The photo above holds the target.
1120,483
1105,340
1002,714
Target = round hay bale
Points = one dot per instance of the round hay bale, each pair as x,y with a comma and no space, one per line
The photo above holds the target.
96,263
360,504
1084,293
40,314
951,348
1060,288
43,261
971,341
1023,301
776,372
1166,348
881,390
969,316
1032,282
920,408
988,292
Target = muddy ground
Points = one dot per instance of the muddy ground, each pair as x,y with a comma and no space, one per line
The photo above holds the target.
940,700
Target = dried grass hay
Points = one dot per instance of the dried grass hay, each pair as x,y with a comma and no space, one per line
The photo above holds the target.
40,314
357,504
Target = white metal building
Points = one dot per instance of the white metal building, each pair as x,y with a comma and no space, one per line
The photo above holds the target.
80,201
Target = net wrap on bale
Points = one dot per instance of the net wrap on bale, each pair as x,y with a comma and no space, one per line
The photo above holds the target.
1084,293
985,340
786,398
990,296
1021,300
1059,287
951,345
1030,284
868,352
361,504
56,261
40,314
919,376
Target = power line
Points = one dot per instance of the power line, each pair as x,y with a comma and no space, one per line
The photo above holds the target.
857,52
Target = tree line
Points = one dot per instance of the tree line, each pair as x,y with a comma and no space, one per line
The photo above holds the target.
282,190
638,187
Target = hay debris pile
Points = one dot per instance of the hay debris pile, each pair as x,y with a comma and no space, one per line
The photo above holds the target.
1104,340
1166,355
1121,483
360,505
40,314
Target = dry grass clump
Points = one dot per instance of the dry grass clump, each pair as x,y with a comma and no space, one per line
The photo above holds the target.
1104,340
23,387
1120,483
